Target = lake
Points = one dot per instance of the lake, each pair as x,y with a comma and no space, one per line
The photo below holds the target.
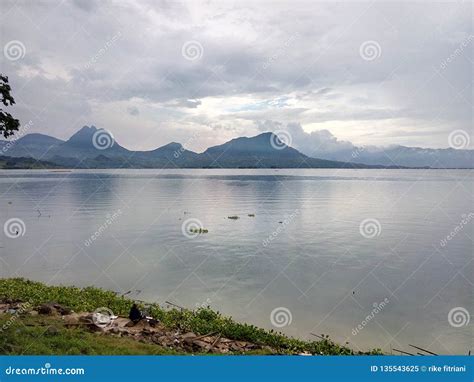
376,258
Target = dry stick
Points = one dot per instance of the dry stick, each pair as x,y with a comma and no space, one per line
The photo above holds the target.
214,343
316,335
404,352
204,335
173,304
426,351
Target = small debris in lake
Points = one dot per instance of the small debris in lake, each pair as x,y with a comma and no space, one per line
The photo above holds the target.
40,214
251,215
233,217
198,230
280,222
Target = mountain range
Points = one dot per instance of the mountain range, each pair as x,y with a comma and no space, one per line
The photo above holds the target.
404,156
95,148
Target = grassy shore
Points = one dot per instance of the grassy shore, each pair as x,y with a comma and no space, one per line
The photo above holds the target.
27,331
40,335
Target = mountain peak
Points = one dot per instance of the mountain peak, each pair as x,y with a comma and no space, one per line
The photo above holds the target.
267,142
38,138
172,146
89,129
84,135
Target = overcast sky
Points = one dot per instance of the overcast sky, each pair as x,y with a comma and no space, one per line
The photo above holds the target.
201,73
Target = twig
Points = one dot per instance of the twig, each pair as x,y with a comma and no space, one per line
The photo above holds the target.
403,352
214,343
317,335
426,351
204,335
173,304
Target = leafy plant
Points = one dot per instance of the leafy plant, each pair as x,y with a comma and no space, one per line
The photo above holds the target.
200,321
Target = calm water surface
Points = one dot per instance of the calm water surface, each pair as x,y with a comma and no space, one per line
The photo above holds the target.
302,251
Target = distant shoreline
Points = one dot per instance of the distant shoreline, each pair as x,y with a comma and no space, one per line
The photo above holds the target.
59,169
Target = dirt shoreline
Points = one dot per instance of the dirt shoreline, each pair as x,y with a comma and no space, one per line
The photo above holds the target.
149,331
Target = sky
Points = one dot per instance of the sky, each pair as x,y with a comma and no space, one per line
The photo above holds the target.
203,72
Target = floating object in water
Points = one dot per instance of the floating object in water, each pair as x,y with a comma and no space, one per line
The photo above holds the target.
251,215
233,217
198,230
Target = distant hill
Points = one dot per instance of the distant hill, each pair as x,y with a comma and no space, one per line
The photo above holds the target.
404,156
95,148
31,145
323,144
264,151
24,163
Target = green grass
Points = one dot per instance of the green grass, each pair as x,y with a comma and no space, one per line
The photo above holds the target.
32,335
200,321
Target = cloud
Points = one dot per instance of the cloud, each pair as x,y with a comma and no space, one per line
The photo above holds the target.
189,103
133,110
283,63
321,143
